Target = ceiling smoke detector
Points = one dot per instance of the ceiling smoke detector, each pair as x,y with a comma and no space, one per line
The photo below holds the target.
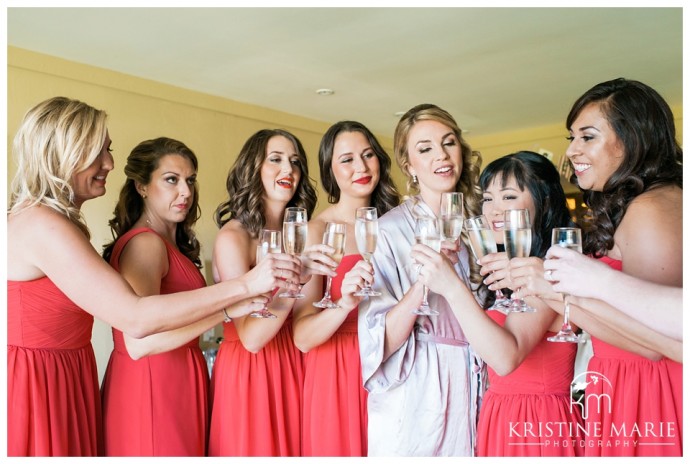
325,92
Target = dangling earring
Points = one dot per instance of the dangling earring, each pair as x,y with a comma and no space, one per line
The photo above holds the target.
414,179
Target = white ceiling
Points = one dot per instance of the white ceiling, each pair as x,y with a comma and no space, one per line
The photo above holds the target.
494,69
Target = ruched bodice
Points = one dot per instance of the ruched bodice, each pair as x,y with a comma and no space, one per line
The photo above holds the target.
53,405
41,316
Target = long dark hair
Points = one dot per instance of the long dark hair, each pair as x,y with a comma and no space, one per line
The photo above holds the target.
537,175
141,162
245,188
652,157
385,196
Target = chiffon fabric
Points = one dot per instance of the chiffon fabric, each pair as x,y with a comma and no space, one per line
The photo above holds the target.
53,405
634,406
157,405
257,397
335,402
529,411
423,399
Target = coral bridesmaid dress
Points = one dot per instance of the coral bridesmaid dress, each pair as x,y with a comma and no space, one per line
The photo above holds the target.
157,405
335,401
528,412
640,402
53,405
257,397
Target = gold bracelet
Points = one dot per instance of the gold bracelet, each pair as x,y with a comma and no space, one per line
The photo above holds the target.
226,318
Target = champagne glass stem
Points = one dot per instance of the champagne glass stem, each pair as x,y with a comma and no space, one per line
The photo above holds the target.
327,293
566,313
425,298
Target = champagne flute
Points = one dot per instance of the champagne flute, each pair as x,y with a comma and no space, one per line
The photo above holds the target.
294,238
517,233
366,233
427,232
451,215
269,242
567,237
483,242
334,236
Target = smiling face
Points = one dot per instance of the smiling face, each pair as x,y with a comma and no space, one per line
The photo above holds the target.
497,199
280,171
434,157
354,165
595,150
169,194
90,183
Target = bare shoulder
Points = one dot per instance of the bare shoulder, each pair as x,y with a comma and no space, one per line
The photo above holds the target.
145,249
317,226
650,236
233,233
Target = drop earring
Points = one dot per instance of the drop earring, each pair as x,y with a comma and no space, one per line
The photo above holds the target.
414,179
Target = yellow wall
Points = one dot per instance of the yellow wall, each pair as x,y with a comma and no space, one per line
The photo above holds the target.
215,128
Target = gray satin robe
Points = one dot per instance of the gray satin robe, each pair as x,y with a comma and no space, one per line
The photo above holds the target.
423,400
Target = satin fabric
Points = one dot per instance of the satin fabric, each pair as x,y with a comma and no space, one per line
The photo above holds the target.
423,399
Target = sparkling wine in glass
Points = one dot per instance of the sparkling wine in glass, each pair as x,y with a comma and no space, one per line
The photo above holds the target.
451,215
333,236
483,242
269,242
294,238
366,234
517,233
427,231
567,237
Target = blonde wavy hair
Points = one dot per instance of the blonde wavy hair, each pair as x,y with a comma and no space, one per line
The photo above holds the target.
468,183
58,138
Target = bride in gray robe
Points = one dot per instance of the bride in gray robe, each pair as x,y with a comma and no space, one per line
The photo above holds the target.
424,380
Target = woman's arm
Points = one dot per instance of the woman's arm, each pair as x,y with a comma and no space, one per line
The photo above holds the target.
502,348
60,251
586,277
144,264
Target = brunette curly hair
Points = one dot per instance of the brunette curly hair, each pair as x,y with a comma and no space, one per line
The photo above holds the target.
141,163
245,188
652,157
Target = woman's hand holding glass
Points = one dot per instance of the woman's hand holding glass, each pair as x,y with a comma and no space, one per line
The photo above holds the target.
366,235
571,238
334,236
294,238
360,276
517,231
483,243
270,241
436,271
276,270
427,231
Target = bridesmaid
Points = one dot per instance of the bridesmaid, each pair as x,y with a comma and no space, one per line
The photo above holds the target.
156,251
423,379
529,377
355,172
627,161
57,283
258,375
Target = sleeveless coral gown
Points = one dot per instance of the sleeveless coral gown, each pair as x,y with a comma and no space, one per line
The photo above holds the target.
640,402
335,401
528,412
53,405
157,405
257,397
